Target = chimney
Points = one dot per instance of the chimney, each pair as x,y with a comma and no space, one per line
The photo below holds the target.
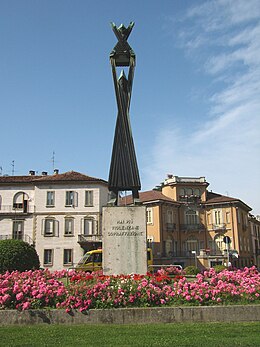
32,173
44,173
56,171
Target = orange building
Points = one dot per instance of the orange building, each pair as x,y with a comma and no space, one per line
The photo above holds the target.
186,225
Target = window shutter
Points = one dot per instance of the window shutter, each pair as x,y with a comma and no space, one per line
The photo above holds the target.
56,228
43,225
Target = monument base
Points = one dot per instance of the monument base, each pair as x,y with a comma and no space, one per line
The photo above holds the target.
124,240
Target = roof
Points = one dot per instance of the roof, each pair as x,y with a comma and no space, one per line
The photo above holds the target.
70,176
214,198
148,197
157,196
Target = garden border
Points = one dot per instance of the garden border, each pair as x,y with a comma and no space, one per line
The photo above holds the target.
180,314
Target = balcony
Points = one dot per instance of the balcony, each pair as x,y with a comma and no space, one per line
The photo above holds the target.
190,199
25,238
192,227
170,226
19,209
221,227
83,239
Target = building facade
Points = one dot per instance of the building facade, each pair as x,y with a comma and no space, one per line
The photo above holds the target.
254,223
188,225
59,214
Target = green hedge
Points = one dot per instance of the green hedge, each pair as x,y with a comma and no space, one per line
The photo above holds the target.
17,255
191,270
219,268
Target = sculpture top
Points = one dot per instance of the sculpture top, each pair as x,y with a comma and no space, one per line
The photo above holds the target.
121,53
122,33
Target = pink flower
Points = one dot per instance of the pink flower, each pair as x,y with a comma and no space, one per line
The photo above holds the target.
26,305
19,296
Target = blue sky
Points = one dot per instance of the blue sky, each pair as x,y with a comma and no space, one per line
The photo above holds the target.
195,107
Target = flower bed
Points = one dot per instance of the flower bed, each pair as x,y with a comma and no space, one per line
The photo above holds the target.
83,291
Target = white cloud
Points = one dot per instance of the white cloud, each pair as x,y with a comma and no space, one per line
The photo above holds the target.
225,148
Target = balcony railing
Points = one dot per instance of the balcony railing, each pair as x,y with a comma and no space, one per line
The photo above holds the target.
10,209
189,254
192,227
170,226
219,227
25,238
89,238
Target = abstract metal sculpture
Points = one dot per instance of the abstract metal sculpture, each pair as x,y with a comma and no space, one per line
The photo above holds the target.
123,174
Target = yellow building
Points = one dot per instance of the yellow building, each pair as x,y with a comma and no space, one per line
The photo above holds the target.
187,225
254,223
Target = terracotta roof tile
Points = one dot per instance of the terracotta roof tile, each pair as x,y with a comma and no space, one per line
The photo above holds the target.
64,177
214,198
148,196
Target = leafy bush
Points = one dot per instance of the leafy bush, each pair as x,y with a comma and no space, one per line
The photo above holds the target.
191,270
17,255
83,291
219,268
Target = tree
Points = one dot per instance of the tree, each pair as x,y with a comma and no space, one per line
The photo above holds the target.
17,255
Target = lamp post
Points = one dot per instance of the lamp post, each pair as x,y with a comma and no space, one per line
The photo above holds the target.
195,257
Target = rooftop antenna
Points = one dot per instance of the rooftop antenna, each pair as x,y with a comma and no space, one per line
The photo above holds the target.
53,161
12,167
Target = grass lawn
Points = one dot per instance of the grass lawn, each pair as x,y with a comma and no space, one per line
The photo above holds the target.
177,335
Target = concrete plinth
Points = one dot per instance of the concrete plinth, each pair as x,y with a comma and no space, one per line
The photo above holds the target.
124,240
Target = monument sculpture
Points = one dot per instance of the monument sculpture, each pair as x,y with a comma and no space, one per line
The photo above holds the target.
123,175
124,227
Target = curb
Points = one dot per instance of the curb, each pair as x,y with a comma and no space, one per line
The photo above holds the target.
233,313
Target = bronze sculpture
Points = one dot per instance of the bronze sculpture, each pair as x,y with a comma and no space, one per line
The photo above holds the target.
123,174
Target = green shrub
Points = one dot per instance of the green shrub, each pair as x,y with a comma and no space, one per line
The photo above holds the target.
17,255
191,270
219,268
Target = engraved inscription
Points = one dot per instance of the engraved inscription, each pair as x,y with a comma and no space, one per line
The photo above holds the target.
125,227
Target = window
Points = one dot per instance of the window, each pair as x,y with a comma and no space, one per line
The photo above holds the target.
188,191
69,226
191,217
169,216
182,192
88,226
219,244
218,216
50,227
48,257
50,198
89,198
238,216
196,192
149,216
18,227
71,198
20,201
191,244
209,218
227,217
67,257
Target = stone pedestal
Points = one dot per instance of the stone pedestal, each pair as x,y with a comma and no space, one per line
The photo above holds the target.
124,240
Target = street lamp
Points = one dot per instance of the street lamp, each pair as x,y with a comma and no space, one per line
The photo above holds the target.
195,257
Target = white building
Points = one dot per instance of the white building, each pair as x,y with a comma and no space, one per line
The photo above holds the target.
60,214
